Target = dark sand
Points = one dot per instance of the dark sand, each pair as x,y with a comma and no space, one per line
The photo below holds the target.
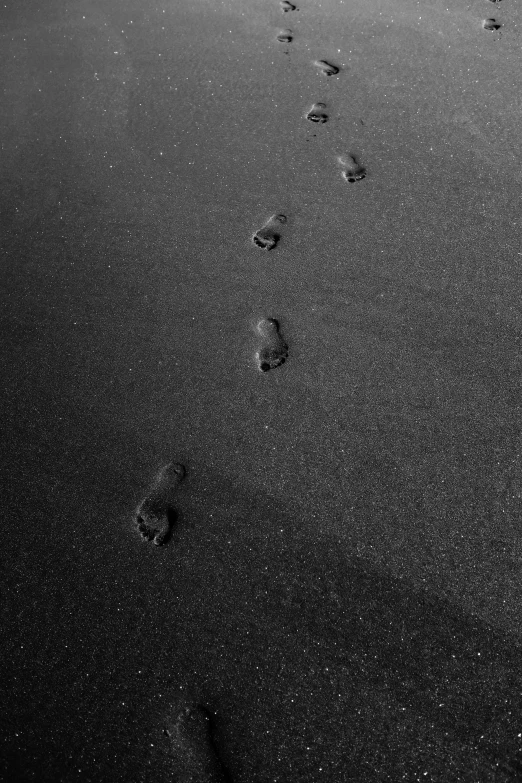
342,590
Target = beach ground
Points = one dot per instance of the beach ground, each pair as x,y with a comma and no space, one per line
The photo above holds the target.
279,247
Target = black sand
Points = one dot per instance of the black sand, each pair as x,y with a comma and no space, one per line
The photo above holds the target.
341,591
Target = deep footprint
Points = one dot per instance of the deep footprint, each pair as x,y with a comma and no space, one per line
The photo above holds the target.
268,235
285,36
326,68
286,6
274,350
353,171
156,515
193,750
491,24
317,113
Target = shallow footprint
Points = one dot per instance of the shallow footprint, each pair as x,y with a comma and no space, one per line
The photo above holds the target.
285,36
286,6
155,515
193,749
268,235
491,24
317,113
274,350
327,68
353,171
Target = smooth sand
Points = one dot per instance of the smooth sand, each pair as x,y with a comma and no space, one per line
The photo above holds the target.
342,588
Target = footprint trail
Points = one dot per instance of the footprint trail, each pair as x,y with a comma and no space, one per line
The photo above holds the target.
268,235
156,515
273,351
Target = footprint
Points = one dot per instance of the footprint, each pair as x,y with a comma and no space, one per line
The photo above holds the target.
286,6
285,36
327,68
268,235
353,171
317,113
491,24
274,350
155,515
193,748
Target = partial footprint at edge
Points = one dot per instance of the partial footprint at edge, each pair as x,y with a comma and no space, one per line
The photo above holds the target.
156,515
193,750
317,113
286,6
352,171
285,36
274,351
268,235
326,68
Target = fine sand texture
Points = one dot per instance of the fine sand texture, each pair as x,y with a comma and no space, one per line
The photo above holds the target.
261,328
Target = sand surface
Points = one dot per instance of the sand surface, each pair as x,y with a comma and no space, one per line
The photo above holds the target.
342,590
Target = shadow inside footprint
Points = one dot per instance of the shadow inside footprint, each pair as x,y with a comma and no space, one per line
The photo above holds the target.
268,235
155,516
274,351
353,170
285,36
317,113
328,69
194,752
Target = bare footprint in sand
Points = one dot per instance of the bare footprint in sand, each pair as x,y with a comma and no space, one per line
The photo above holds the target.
352,171
285,36
193,749
156,515
317,113
273,351
491,24
286,6
328,69
268,235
